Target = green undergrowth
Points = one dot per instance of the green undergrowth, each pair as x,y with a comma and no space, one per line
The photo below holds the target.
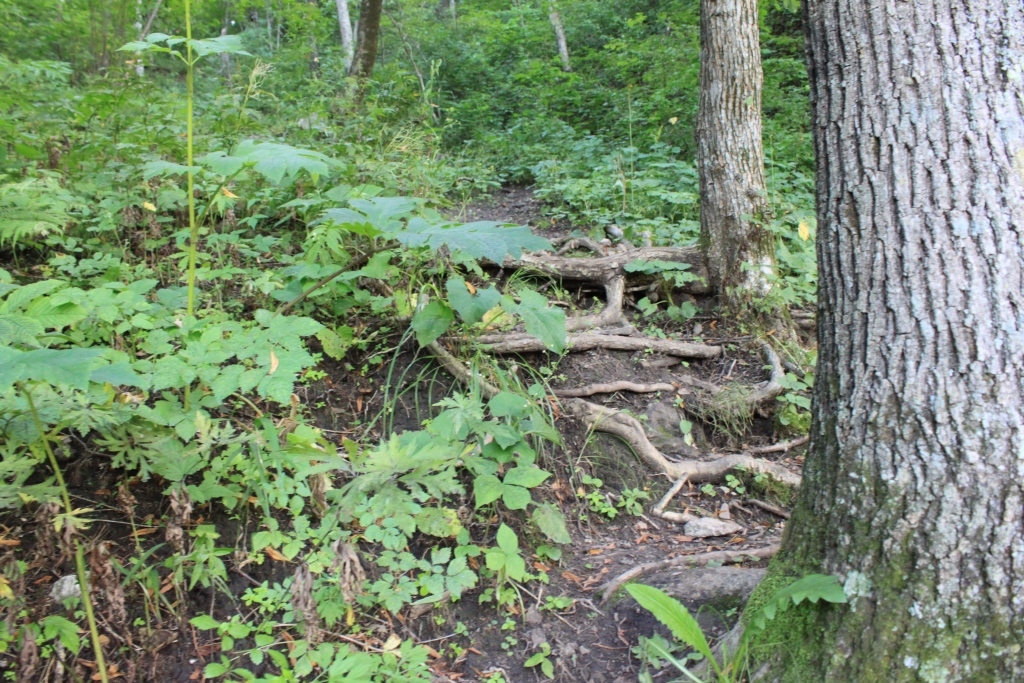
156,341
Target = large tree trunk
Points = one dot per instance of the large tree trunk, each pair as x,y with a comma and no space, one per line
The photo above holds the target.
556,23
914,484
345,28
730,155
366,41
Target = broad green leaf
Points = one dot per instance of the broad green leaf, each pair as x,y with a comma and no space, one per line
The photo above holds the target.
431,321
515,497
58,628
219,45
471,307
673,614
509,404
527,477
484,239
118,374
275,161
487,488
55,316
69,367
204,622
550,520
542,320
28,293
19,329
151,169
507,539
222,164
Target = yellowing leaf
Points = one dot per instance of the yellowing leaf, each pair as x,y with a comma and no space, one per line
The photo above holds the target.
149,206
674,120
228,193
275,555
804,231
392,643
5,588
273,363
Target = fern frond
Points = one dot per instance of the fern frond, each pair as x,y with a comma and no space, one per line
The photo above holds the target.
30,210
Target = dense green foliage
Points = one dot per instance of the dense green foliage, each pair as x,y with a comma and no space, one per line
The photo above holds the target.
316,213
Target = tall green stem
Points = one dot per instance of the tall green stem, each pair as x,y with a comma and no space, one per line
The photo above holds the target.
193,240
69,511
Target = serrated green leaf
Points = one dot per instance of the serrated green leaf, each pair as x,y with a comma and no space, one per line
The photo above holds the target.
509,404
507,539
440,522
471,307
484,239
527,477
19,329
220,45
550,520
275,161
28,293
515,497
487,488
159,167
222,164
543,321
204,622
431,321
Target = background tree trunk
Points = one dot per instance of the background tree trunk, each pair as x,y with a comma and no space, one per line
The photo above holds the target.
556,23
366,41
730,156
914,483
345,28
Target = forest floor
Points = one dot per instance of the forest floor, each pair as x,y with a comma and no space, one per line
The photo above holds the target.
590,639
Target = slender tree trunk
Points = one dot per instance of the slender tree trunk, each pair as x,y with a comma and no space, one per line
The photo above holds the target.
730,156
150,19
556,23
914,483
345,26
366,41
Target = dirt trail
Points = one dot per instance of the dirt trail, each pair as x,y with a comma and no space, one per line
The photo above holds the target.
591,641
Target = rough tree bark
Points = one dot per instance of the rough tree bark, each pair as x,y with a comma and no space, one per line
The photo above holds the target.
914,481
730,155
345,28
366,40
556,23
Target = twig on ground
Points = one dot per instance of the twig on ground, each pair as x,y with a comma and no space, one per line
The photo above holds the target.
460,372
724,556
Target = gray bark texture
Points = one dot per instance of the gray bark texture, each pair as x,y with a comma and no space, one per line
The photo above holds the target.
913,487
556,24
366,40
345,28
730,156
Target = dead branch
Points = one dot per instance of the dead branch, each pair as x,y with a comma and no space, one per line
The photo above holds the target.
632,432
613,387
724,556
586,341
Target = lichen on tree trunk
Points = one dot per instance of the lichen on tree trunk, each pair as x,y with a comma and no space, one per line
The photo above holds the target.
913,487
730,154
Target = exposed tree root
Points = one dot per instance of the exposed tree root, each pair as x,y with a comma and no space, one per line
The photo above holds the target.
767,507
612,387
460,372
632,432
723,556
524,343
783,447
606,268
678,517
